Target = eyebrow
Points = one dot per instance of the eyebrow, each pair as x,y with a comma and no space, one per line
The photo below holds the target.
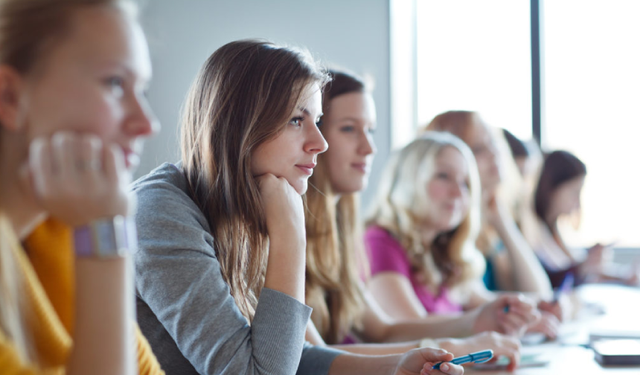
354,119
349,119
144,75
306,112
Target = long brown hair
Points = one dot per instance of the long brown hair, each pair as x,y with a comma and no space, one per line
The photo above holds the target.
559,167
335,258
401,202
241,98
29,29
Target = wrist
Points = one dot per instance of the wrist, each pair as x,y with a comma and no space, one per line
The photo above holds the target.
450,345
473,324
499,224
428,343
105,238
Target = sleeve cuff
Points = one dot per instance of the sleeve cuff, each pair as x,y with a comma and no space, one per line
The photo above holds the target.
317,360
278,330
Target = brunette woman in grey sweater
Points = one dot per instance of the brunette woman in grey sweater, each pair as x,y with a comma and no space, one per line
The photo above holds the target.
221,262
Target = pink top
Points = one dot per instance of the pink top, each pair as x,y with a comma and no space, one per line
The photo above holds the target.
387,255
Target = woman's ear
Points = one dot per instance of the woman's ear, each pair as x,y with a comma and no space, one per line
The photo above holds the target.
11,84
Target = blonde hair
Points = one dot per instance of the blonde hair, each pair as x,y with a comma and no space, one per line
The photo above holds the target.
12,309
460,123
29,29
336,261
241,98
402,201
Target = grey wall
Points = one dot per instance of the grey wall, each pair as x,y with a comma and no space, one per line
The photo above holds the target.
183,33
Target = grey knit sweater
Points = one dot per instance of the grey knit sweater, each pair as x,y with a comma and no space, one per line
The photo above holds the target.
184,306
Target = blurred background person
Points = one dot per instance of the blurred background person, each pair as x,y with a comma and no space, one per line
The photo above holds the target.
557,194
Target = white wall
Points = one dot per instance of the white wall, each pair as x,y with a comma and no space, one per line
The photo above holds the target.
183,33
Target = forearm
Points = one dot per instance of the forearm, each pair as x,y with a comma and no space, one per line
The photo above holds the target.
527,272
434,326
103,334
378,349
479,295
353,364
286,267
453,346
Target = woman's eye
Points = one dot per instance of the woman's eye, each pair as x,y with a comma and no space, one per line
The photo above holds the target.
319,122
371,130
296,121
478,150
442,175
116,84
347,129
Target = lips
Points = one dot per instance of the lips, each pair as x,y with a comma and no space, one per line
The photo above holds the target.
449,207
361,167
306,168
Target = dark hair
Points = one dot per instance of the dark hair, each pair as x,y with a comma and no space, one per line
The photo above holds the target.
341,83
559,167
241,98
518,148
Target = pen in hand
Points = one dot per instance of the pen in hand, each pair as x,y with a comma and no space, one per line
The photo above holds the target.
477,357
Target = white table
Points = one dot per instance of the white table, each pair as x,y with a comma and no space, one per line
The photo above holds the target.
622,312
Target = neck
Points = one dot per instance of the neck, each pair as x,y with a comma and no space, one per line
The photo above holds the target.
16,198
552,220
428,235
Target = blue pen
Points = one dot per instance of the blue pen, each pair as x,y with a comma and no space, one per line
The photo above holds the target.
477,357
565,287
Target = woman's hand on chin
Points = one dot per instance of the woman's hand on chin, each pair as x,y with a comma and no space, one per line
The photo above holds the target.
76,178
283,208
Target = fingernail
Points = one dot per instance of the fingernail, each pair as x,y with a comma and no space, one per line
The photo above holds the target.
444,367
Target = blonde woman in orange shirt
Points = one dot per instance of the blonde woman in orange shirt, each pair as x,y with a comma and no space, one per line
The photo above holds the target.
72,115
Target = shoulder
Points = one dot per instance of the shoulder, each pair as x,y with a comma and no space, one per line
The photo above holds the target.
162,195
168,219
385,252
376,237
167,181
377,233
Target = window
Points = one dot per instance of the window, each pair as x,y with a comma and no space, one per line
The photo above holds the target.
592,97
475,55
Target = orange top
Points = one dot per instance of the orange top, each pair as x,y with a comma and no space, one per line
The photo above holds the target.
47,270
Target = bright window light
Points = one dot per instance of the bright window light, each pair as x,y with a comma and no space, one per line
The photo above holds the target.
592,54
475,55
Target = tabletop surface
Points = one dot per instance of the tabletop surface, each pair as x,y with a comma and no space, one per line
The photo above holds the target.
620,312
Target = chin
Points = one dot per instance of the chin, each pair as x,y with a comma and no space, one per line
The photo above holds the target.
351,187
453,225
301,187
